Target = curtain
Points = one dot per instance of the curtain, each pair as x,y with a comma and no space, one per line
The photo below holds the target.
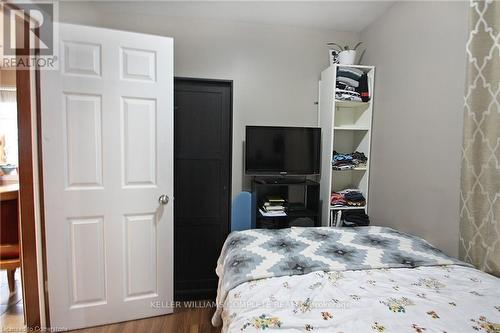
8,127
480,183
7,96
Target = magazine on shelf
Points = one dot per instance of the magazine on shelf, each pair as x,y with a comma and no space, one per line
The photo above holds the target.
272,213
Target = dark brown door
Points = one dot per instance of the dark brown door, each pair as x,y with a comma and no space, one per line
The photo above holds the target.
202,183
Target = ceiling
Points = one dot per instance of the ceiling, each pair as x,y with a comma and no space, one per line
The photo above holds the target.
336,15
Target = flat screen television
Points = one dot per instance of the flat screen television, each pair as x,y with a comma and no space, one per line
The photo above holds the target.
273,150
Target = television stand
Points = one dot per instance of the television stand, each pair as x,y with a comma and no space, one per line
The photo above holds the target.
300,198
280,180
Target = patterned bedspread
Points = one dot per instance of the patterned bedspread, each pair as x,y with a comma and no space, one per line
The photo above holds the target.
429,299
259,254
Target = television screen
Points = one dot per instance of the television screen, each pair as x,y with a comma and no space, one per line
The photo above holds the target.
282,150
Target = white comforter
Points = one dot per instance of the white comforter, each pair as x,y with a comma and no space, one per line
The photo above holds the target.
441,299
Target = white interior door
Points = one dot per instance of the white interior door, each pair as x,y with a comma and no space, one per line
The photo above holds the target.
107,121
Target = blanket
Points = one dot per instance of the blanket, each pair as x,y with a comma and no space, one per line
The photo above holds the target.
262,253
432,299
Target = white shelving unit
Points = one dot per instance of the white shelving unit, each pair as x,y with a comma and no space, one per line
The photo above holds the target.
346,127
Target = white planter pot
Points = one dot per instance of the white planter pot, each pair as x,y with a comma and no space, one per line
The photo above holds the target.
347,57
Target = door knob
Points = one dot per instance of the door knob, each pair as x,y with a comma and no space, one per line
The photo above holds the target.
163,199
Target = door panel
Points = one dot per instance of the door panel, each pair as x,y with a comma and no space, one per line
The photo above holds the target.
107,129
139,141
83,141
204,173
203,135
207,125
81,58
140,263
138,64
88,278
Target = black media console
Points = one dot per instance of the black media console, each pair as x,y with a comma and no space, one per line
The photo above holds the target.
301,202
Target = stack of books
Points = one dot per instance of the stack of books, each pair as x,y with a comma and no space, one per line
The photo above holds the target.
273,206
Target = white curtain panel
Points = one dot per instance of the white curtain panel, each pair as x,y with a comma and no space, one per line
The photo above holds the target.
7,96
8,127
480,184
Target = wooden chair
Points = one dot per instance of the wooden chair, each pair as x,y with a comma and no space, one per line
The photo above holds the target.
10,264
10,258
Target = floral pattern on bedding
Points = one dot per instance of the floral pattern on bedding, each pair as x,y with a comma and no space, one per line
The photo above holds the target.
451,299
262,322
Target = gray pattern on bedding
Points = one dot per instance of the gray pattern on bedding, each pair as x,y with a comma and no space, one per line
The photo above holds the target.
260,253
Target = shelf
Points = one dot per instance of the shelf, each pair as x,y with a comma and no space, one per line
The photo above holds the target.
302,201
364,68
351,104
270,182
346,207
353,169
351,128
292,214
346,127
303,212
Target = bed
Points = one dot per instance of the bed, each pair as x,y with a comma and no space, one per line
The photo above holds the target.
367,279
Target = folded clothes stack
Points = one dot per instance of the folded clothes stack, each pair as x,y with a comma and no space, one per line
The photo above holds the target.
352,85
348,161
354,198
355,218
337,199
348,197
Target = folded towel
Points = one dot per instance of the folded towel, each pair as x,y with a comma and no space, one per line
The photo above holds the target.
352,71
349,72
344,87
347,97
349,81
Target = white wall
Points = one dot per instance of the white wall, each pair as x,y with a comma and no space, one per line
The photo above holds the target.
418,49
275,69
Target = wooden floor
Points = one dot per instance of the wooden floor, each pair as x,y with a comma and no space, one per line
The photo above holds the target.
183,320
11,304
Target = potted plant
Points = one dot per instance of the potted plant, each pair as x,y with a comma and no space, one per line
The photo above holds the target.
346,55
